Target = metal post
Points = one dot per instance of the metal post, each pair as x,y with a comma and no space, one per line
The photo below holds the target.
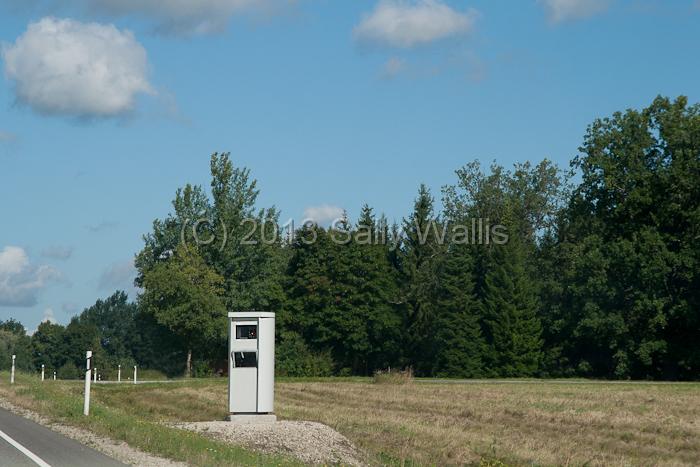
119,374
42,372
86,405
134,374
12,375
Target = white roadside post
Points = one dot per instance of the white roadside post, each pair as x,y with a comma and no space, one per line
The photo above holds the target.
42,372
12,375
119,374
94,378
86,404
54,376
134,374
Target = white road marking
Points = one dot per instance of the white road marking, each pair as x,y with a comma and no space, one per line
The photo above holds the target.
37,460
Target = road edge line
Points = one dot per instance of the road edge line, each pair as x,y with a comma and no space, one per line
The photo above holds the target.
36,459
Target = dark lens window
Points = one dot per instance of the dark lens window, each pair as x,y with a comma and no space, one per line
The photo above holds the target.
245,359
247,331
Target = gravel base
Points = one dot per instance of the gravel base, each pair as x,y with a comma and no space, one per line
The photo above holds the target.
311,442
118,450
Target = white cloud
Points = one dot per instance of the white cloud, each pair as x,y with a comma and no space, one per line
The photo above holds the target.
20,281
403,23
48,316
323,213
566,10
393,67
65,67
57,252
119,275
13,260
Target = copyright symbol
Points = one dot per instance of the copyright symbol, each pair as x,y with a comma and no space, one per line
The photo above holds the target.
197,226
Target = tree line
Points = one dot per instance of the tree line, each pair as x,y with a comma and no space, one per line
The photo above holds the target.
598,278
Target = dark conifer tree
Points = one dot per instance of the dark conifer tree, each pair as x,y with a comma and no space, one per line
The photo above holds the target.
513,328
458,342
375,291
418,260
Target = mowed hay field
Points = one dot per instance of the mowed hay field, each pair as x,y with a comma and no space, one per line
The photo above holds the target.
513,422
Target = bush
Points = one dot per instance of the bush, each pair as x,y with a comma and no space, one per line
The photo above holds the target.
69,371
294,358
202,369
393,376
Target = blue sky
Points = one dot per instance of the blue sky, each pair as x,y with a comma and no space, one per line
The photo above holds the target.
107,107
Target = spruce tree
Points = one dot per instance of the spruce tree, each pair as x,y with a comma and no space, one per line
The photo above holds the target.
322,297
459,343
513,328
375,291
418,258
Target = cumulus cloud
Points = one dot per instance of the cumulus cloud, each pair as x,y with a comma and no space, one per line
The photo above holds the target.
65,67
57,252
48,316
567,10
403,23
323,213
21,281
119,275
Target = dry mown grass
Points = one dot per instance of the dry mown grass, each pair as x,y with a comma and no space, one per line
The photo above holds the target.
522,423
546,423
436,424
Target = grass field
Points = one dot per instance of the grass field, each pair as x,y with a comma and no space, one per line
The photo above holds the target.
514,423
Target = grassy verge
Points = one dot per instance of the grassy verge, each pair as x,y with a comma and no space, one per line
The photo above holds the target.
63,402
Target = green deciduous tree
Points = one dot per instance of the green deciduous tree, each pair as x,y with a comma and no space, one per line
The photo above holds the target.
14,341
48,345
630,258
185,295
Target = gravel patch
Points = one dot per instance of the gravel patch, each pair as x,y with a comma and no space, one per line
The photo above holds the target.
311,442
118,450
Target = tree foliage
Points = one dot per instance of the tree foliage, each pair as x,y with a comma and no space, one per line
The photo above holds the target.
518,272
184,295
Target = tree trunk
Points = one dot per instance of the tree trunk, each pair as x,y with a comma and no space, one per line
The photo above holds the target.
188,368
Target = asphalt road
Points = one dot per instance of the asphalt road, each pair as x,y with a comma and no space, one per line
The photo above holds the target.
26,443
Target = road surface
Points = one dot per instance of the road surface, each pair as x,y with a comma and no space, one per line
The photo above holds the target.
26,443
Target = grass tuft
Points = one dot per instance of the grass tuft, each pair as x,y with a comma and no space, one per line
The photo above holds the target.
393,376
